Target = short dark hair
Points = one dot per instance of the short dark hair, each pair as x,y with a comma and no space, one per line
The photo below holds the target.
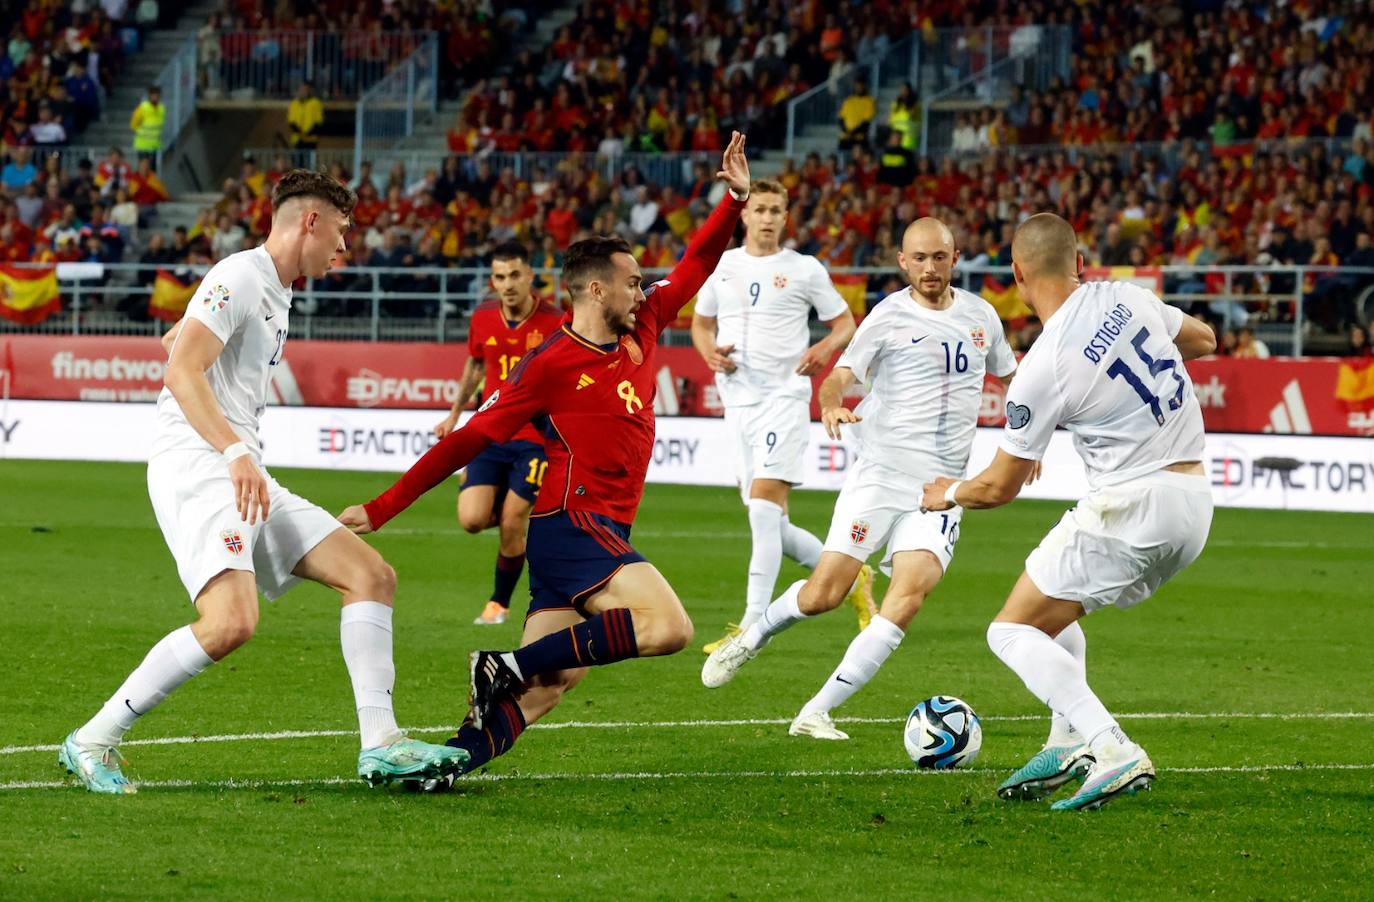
308,183
590,259
511,250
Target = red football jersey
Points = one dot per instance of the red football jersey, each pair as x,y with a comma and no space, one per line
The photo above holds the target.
500,346
594,403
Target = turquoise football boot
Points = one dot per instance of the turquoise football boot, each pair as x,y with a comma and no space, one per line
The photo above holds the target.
97,769
409,759
1048,770
1108,780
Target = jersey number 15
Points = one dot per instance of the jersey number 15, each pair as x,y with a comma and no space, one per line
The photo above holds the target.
1119,369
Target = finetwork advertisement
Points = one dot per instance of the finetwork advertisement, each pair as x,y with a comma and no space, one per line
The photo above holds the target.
1264,471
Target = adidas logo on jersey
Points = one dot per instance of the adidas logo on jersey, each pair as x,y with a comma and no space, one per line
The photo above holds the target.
1289,416
491,341
583,381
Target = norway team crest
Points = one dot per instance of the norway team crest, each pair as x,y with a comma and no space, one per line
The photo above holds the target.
780,281
858,531
980,337
232,540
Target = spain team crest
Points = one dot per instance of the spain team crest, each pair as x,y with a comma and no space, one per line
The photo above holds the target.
780,281
232,540
858,531
980,337
632,349
534,339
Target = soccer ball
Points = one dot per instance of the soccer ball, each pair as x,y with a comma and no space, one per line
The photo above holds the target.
943,733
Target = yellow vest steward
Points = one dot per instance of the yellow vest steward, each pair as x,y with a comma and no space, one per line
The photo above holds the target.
147,124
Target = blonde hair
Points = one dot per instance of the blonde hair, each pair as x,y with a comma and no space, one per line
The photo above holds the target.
767,186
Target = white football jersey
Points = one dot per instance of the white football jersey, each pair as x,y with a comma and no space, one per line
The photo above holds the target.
1106,368
241,300
761,305
926,368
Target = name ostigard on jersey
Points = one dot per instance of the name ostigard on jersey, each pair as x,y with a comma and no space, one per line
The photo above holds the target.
1102,339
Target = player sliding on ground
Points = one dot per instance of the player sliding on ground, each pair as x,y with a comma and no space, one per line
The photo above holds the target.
749,326
1109,368
590,388
500,486
230,526
925,350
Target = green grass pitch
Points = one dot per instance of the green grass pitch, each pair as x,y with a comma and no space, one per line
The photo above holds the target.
1248,679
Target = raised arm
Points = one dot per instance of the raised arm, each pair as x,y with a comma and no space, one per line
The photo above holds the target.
671,294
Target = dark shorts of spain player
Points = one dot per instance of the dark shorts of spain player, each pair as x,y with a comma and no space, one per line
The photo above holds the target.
516,466
572,556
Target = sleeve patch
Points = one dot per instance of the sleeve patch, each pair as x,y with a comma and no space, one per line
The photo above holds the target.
1018,415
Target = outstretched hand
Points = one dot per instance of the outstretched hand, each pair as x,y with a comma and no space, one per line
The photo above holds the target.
734,166
356,519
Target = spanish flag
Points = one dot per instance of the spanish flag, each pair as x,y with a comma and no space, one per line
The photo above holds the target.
170,296
854,290
28,295
1004,298
1355,386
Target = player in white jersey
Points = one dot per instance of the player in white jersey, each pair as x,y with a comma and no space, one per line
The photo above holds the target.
750,326
232,529
1109,368
925,351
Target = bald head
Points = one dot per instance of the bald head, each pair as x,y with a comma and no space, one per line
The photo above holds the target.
1045,245
927,234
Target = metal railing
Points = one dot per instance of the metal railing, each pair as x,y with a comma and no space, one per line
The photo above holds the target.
431,304
258,65
664,169
1170,154
179,83
932,62
1033,67
386,111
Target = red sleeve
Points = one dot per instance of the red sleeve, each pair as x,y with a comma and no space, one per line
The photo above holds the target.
669,295
509,408
475,335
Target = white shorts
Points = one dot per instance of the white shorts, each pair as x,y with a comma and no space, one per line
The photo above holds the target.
770,439
1122,542
879,505
193,499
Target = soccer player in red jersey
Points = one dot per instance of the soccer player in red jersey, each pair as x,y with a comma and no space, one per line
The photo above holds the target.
501,483
590,388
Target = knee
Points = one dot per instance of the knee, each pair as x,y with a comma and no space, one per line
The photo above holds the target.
821,595
903,607
373,579
471,523
663,633
224,631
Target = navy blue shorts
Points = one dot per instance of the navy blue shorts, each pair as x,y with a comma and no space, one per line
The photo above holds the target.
572,555
516,466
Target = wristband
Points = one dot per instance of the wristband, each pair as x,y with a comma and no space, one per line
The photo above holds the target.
235,451
739,197
949,492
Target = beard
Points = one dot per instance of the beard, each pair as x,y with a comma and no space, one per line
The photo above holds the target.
619,323
929,295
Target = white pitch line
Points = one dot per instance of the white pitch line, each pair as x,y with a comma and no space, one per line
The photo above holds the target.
743,722
513,777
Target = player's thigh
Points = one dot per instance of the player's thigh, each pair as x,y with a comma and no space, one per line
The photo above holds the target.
934,532
774,490
778,438
350,566
546,689
869,505
194,502
915,574
829,583
645,592
475,503
527,465
1029,605
515,522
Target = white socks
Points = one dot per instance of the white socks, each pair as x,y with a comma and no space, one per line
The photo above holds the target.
765,559
1053,675
365,635
861,661
171,662
800,545
777,617
1072,640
